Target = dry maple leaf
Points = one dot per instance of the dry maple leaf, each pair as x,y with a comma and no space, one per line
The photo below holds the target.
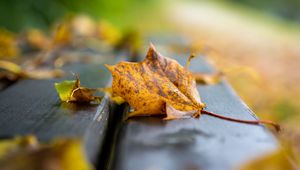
155,84
160,85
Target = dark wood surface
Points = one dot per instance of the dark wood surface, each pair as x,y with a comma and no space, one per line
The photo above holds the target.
33,107
207,143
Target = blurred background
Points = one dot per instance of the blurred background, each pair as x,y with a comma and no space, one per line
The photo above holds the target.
256,43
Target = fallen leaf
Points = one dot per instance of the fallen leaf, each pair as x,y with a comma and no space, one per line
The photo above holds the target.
149,86
204,78
43,73
10,66
37,40
108,33
62,34
71,91
8,45
117,99
20,72
25,153
244,71
208,78
282,158
10,145
160,85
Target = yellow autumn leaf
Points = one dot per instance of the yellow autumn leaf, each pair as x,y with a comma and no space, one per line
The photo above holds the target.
8,45
151,85
62,34
161,86
10,66
282,158
204,78
208,78
116,99
20,72
25,153
108,33
10,145
36,39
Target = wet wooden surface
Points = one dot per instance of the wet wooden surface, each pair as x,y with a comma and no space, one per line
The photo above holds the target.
149,143
207,143
33,107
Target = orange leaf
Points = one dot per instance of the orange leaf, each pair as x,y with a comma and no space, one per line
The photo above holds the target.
151,85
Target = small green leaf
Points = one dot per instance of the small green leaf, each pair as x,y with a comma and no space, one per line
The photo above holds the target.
65,88
71,91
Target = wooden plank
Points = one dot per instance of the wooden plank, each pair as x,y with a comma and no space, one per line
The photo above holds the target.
33,107
207,143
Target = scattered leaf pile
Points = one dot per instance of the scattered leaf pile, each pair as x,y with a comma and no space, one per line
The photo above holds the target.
27,154
35,54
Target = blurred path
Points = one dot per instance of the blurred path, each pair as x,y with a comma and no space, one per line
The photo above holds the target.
242,37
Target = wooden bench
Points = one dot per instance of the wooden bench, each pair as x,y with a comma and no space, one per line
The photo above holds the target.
149,143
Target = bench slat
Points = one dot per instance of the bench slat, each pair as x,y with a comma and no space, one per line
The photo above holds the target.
207,143
33,107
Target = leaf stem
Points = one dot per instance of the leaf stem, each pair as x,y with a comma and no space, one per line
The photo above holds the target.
253,122
188,62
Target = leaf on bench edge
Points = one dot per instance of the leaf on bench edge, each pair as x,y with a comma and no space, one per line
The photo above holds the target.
150,85
71,91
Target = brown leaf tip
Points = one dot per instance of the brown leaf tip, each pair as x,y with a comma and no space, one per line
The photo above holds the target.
152,53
